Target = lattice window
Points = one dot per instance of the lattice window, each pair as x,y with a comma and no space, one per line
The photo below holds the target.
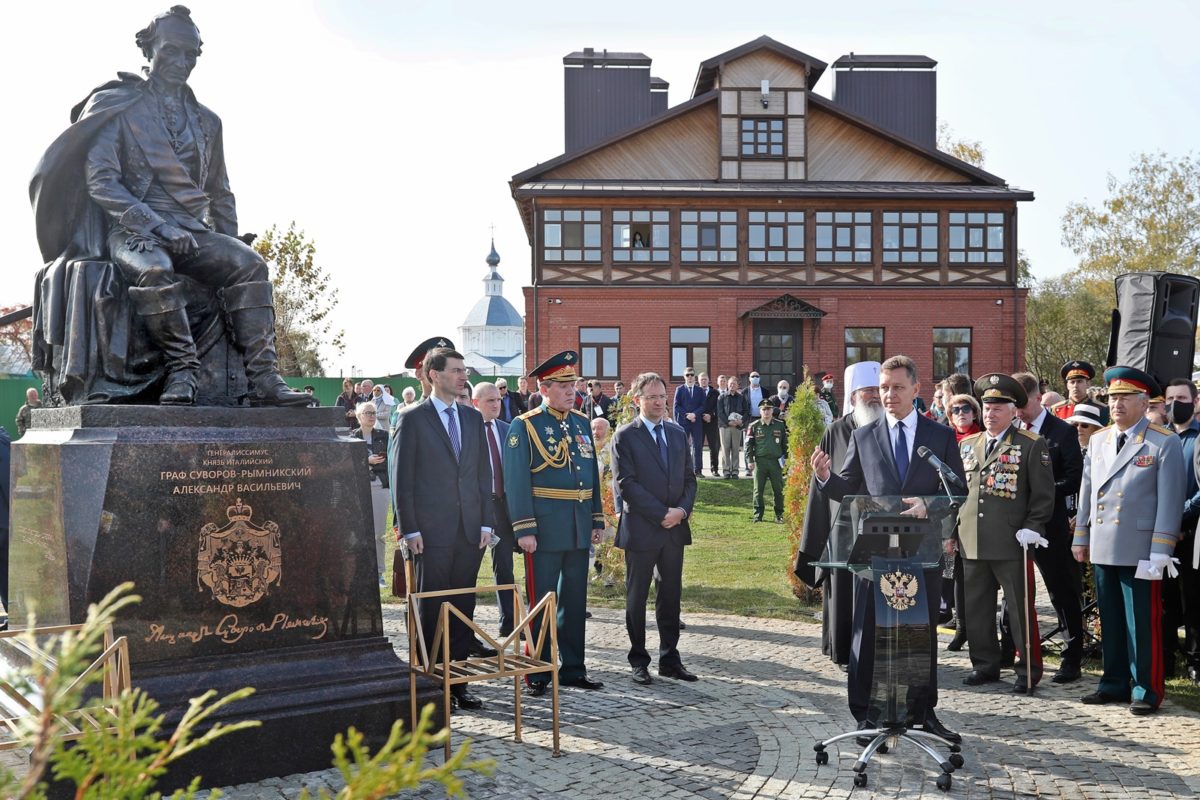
843,237
910,237
570,235
864,344
762,138
776,236
708,236
976,237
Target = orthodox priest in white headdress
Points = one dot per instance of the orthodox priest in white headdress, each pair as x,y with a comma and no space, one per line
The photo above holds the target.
862,405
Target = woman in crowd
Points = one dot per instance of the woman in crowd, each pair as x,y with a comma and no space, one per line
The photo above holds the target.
376,473
347,401
962,412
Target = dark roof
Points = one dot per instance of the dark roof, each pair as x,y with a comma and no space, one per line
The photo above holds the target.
884,62
827,189
658,83
565,158
604,58
706,77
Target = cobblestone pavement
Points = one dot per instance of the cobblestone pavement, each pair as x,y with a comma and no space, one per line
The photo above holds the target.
766,695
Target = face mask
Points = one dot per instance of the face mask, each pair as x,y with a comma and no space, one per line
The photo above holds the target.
754,380
828,384
1180,412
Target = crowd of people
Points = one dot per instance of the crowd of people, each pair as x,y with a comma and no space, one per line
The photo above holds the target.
1101,479
1044,477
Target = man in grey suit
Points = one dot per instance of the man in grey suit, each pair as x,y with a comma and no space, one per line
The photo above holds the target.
654,478
487,398
1130,504
443,488
881,461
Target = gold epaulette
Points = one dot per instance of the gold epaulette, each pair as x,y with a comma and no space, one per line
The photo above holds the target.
532,413
1106,427
1161,429
1028,434
1059,404
971,438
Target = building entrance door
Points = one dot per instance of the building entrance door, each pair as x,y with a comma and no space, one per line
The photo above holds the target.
777,351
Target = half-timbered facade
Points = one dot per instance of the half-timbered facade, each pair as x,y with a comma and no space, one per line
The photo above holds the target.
760,225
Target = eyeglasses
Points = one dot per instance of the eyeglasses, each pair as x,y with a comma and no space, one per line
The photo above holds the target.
962,410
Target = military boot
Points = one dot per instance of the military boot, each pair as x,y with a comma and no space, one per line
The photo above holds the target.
251,315
164,312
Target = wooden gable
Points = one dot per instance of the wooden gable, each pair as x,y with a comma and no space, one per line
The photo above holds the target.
753,68
683,148
841,151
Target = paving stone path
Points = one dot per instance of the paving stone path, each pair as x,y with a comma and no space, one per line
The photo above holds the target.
766,694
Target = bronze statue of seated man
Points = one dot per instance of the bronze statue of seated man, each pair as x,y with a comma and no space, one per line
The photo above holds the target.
156,205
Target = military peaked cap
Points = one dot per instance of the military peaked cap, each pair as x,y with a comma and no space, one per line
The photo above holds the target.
996,387
416,359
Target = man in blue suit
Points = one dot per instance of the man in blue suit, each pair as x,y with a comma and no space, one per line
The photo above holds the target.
689,413
442,487
656,487
882,460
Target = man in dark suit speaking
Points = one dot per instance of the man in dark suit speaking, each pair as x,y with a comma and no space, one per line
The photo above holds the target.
655,479
443,490
881,460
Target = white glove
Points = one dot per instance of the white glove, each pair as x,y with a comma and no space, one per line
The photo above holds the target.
1161,562
1027,537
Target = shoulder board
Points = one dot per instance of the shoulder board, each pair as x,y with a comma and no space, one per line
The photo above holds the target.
1028,434
1060,404
577,412
1161,429
971,438
1106,427
532,413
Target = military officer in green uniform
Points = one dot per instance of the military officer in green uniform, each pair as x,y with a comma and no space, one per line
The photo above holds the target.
552,486
766,445
1009,501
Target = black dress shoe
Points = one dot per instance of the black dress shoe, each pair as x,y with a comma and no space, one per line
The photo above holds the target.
1066,673
960,638
934,725
584,682
1140,708
462,698
865,725
536,689
977,678
1099,698
480,650
678,671
1021,687
682,627
642,675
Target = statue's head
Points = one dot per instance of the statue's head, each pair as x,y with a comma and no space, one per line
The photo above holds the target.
171,43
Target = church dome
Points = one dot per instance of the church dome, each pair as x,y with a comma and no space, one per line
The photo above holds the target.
493,311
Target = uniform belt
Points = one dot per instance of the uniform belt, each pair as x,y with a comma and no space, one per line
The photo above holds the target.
562,494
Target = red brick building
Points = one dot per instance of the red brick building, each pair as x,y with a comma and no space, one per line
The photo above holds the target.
760,225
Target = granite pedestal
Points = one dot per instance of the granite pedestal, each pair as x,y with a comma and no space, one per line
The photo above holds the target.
247,533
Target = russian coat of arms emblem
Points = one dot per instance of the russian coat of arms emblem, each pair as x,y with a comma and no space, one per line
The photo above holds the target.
239,560
899,589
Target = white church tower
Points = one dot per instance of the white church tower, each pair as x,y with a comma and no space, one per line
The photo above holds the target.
492,336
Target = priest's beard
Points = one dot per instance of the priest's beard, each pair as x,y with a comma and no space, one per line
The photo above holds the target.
866,413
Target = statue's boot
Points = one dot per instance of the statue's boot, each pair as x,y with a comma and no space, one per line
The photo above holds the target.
164,312
252,317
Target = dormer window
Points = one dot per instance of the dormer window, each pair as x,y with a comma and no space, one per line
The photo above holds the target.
762,138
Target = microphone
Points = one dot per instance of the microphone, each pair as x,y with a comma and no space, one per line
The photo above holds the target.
943,470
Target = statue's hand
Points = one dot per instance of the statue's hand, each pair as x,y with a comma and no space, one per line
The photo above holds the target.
179,241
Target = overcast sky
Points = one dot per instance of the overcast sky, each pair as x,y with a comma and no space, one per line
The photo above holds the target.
389,130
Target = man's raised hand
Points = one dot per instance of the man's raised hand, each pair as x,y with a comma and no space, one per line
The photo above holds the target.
820,463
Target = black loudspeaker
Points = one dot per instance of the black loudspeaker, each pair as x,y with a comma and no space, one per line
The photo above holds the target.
1154,324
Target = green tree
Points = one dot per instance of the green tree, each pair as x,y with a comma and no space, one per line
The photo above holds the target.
968,150
1149,221
1067,317
304,302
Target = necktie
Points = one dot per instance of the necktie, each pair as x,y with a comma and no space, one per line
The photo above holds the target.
453,430
991,448
662,444
497,468
901,451
1120,441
